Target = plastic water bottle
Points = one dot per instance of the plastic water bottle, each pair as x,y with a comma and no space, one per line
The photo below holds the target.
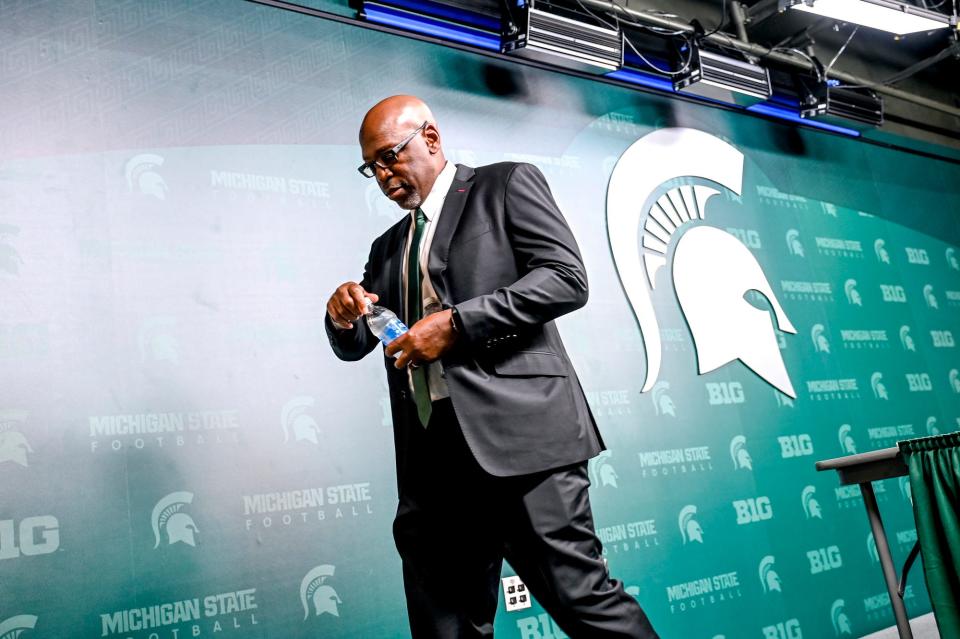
384,323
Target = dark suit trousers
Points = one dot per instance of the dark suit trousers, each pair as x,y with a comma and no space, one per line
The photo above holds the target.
456,523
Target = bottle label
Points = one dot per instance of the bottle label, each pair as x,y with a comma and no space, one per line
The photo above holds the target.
394,329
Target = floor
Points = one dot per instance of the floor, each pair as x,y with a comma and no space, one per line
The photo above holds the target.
923,627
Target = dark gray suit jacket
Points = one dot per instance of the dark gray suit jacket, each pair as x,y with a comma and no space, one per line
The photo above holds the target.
503,255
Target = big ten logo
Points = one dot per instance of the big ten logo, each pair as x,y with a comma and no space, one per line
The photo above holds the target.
917,255
752,510
824,559
789,629
749,237
725,393
893,293
919,382
33,536
539,627
795,445
942,339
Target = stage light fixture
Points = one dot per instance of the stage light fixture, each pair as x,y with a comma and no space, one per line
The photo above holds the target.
723,78
826,101
562,35
887,15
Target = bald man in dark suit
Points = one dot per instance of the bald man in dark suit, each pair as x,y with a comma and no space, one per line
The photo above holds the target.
491,427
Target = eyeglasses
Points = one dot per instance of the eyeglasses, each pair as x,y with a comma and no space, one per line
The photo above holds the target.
388,157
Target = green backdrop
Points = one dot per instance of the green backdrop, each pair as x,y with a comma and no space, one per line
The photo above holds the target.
182,456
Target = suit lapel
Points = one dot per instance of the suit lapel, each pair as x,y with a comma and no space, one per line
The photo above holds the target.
394,266
450,215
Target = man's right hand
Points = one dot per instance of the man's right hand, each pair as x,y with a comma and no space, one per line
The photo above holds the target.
346,305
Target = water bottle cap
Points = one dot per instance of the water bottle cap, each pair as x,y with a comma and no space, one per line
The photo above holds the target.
368,305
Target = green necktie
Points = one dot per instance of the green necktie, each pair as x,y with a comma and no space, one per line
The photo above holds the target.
421,388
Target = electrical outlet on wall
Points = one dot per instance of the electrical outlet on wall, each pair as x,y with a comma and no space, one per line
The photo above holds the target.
515,593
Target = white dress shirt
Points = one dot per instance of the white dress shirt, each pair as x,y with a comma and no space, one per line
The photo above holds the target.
431,207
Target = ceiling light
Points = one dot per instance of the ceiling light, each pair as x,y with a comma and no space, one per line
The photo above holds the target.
886,15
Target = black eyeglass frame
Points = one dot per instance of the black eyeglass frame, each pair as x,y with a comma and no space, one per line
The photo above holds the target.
388,157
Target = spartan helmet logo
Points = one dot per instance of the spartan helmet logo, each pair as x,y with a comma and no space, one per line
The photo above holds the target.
662,403
930,298
690,528
768,576
932,425
13,627
872,549
847,445
906,491
841,623
882,256
820,342
952,259
377,204
602,471
10,260
157,340
14,447
168,516
879,389
793,243
295,417
810,504
955,380
739,454
905,340
313,589
142,177
712,270
782,400
853,296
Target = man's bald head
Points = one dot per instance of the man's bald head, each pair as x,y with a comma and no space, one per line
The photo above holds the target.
408,181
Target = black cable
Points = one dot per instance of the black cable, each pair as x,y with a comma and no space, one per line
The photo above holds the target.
723,19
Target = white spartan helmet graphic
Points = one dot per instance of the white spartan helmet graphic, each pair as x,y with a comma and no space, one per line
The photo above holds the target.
14,447
847,445
932,425
881,252
295,417
820,343
955,380
712,270
168,516
906,340
690,528
879,389
739,454
810,504
853,296
872,549
662,403
793,242
10,260
13,627
905,489
157,340
930,298
841,623
601,470
952,259
313,589
768,576
142,177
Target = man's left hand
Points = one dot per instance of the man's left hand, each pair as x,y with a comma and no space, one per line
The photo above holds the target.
426,341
